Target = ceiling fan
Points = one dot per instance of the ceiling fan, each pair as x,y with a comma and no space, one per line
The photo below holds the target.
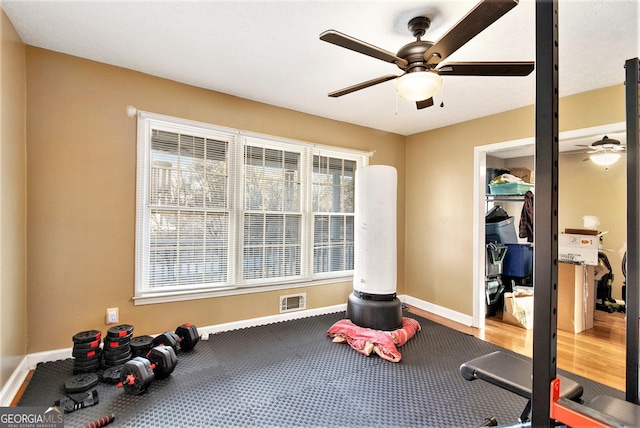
604,152
421,60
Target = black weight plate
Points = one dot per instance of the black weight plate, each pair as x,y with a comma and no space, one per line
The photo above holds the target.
96,357
81,370
120,331
80,383
86,336
112,374
136,375
189,336
88,362
114,358
121,340
112,347
86,353
111,363
168,338
141,342
164,359
87,345
86,369
115,355
111,356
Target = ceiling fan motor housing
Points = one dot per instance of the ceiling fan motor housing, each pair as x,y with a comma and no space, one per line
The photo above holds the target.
606,142
414,54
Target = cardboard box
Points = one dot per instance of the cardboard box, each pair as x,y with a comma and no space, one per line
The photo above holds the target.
581,249
580,231
522,172
576,297
518,309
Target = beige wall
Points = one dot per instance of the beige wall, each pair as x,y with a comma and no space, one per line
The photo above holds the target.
588,189
13,286
81,181
439,211
440,179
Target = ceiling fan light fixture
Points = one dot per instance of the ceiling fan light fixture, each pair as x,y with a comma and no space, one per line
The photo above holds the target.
418,85
605,158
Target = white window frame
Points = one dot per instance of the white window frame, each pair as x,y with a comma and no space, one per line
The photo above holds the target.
237,140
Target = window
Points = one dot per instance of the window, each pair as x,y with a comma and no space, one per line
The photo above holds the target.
220,210
333,194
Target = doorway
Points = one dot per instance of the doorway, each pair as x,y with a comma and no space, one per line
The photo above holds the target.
569,141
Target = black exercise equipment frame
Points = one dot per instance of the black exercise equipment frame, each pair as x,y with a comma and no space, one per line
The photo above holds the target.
545,250
632,302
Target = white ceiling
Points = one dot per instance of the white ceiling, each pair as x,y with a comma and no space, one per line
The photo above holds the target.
269,51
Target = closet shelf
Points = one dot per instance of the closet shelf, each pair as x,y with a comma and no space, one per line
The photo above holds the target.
504,198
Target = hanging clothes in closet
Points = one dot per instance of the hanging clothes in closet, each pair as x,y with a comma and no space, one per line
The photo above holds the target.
525,228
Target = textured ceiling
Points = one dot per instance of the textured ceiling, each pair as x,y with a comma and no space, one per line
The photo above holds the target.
269,51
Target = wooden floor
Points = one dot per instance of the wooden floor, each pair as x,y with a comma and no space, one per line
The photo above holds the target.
597,354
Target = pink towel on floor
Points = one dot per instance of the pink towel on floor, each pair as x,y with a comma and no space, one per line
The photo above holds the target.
367,340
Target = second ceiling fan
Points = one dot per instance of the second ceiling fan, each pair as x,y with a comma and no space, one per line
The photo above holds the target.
421,60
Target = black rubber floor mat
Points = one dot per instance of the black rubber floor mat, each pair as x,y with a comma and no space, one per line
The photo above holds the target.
290,374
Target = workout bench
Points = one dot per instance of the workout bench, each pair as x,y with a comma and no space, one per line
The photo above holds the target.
513,373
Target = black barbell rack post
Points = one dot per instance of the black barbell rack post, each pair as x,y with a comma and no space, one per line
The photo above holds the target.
632,299
545,250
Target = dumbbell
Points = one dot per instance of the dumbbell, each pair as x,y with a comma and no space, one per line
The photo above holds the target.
185,338
138,373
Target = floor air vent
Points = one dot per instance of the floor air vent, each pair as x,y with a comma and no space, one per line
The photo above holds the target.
293,302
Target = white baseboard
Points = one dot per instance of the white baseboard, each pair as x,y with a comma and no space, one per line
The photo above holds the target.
30,361
13,384
46,356
438,310
253,322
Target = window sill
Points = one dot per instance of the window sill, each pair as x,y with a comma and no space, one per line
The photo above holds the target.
179,296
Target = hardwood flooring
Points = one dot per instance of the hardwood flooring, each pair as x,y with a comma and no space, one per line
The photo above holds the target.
597,354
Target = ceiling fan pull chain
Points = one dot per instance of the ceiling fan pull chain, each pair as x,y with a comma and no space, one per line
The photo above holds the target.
442,95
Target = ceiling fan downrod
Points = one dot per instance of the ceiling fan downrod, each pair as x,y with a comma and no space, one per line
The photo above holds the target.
418,26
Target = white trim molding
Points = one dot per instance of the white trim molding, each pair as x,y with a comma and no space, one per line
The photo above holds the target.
13,384
437,310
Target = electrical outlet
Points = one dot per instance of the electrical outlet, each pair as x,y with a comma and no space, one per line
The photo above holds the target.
112,315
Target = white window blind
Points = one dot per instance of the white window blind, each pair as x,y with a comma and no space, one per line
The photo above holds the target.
217,210
273,216
333,207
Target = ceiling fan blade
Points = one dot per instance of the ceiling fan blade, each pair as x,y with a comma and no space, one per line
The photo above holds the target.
473,23
518,68
345,41
362,85
424,103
